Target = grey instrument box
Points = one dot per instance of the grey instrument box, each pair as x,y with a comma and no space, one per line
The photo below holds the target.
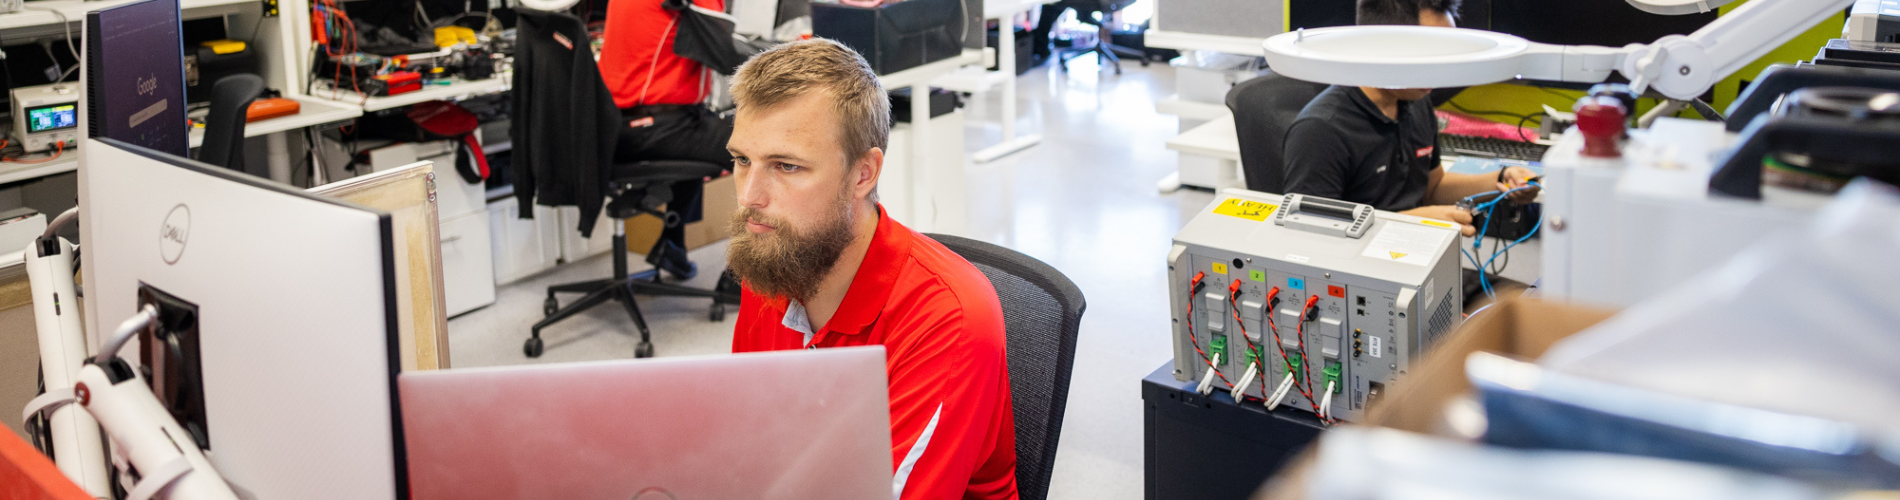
1387,286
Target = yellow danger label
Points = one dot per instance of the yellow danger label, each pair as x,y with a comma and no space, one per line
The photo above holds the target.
1245,209
1220,268
1396,255
1429,222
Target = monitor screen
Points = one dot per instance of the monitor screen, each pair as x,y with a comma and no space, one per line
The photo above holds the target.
135,76
52,117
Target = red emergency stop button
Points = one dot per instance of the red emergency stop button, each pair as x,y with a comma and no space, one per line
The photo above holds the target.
1336,291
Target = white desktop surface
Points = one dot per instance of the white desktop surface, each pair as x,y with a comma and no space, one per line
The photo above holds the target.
314,111
457,89
1216,138
1178,40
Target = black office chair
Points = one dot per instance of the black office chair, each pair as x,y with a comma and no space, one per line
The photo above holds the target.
231,99
1264,108
1042,313
1101,14
632,189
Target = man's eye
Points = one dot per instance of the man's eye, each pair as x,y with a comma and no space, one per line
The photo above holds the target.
787,167
741,161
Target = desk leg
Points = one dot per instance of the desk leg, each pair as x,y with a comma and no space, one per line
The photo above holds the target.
1006,64
919,188
279,154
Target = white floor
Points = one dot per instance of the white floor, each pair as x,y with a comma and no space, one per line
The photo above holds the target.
1084,201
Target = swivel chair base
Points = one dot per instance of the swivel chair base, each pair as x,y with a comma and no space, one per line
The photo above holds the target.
1106,51
621,289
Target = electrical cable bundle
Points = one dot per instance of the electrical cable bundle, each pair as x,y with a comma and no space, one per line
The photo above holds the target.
1194,290
336,33
1490,209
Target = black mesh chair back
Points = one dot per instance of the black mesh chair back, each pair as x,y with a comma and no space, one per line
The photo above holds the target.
1042,312
1264,108
231,99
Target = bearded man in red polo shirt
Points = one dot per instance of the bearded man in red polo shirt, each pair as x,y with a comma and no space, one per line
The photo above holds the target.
823,266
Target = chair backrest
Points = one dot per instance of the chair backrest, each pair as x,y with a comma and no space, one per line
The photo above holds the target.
231,99
1042,311
1264,108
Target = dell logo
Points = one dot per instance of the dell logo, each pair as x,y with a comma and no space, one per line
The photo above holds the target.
173,234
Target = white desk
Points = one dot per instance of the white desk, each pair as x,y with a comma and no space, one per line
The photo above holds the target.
312,111
1246,46
1217,139
976,80
927,200
1174,105
458,89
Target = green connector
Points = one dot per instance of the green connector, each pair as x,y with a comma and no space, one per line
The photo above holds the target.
1252,357
1332,375
1218,345
1297,365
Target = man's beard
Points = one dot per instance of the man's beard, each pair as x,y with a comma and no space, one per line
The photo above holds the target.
789,261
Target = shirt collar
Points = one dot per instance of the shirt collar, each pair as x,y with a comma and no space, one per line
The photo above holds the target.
876,275
1365,103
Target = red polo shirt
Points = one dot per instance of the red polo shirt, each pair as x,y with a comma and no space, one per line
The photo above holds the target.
953,434
637,59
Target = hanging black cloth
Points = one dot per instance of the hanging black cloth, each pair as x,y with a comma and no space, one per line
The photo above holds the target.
706,37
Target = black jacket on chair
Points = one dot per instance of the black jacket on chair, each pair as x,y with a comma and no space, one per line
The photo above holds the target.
565,122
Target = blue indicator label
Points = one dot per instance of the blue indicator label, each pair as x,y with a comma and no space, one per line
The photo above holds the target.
1296,283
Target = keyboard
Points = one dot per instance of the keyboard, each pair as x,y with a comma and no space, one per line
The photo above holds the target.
1464,145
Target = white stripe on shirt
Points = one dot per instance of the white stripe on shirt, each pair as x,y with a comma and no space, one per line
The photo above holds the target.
916,452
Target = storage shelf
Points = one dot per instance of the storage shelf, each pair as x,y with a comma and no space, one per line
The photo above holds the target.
454,90
313,112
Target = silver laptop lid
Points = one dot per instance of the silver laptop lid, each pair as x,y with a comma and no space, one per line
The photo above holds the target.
794,424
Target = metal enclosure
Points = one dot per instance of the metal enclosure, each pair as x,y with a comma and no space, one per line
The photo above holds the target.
1383,296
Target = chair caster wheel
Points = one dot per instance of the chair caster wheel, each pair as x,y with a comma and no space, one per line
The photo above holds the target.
644,350
532,348
717,313
550,307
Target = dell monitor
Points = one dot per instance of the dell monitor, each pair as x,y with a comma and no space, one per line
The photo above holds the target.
135,76
284,366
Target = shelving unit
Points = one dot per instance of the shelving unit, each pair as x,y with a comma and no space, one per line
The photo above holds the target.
458,89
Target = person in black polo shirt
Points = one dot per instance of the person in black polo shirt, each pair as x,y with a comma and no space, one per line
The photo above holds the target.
1380,146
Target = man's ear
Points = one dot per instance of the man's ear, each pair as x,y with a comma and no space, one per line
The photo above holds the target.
866,175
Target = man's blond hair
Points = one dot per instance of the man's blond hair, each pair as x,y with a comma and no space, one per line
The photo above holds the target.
797,68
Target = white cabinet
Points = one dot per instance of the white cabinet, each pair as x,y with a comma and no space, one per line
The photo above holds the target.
573,246
468,273
523,247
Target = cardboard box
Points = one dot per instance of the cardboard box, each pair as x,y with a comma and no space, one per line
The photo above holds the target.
719,201
1518,328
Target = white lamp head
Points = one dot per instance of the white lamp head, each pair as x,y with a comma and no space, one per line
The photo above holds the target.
1680,67
1397,56
549,5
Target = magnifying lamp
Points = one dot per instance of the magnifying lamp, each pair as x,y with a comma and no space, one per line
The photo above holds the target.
1677,66
549,5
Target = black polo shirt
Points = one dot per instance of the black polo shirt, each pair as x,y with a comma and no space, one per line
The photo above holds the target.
1342,147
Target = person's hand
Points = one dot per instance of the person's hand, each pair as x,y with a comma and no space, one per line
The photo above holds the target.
1517,177
1446,213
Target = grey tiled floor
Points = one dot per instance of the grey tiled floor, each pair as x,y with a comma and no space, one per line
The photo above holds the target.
1083,200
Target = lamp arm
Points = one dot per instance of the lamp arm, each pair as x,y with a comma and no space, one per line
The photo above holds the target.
1570,63
1683,67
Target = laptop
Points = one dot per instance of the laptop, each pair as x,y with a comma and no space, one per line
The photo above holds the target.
793,424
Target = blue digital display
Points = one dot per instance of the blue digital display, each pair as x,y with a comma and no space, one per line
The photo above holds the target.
54,117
